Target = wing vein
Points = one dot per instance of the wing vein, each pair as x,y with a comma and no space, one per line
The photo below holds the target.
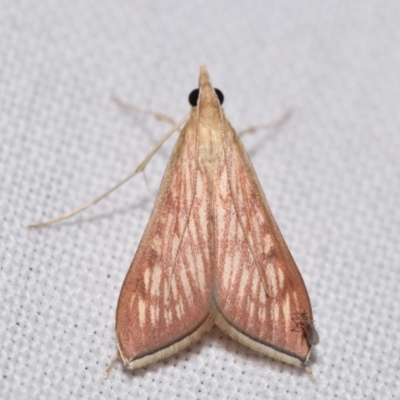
236,207
188,215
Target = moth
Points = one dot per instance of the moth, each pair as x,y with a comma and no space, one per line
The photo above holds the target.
212,253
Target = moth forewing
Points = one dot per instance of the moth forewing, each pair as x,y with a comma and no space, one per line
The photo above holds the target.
257,284
164,301
211,252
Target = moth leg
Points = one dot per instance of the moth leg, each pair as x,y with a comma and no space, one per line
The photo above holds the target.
111,365
138,169
310,373
133,109
272,125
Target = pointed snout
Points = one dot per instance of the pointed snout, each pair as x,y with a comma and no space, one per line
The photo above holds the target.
204,78
208,102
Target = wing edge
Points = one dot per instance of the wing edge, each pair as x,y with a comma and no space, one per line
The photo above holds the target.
261,347
169,349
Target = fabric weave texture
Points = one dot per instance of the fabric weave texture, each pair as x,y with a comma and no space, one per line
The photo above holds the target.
331,175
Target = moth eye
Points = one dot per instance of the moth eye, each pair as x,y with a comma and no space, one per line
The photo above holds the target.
220,95
193,97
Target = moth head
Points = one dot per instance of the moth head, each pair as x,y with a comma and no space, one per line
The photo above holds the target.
194,96
207,99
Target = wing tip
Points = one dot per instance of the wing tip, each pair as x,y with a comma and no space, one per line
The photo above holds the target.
268,350
168,350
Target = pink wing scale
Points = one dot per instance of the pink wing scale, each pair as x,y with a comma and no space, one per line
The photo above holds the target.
258,287
166,293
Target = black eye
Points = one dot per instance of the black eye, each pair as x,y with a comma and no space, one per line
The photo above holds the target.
220,96
193,97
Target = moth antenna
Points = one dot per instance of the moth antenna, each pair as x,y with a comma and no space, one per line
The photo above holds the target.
271,125
138,169
133,109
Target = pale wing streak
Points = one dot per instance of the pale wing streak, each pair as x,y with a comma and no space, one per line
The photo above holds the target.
190,207
228,163
162,308
252,256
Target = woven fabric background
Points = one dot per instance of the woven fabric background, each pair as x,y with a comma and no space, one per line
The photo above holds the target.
331,175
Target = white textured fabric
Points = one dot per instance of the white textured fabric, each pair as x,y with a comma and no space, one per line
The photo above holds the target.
331,174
